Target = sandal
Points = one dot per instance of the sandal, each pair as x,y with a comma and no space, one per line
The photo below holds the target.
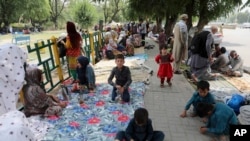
162,85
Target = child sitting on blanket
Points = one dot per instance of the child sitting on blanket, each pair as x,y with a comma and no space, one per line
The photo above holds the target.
123,79
140,129
85,74
201,95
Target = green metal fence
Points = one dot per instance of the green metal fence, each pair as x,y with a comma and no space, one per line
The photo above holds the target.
46,56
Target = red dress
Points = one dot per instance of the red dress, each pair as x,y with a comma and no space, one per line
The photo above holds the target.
165,66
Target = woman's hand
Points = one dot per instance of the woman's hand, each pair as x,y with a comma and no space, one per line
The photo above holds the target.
62,104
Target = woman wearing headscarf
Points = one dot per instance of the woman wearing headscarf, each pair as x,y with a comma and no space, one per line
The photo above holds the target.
73,45
13,123
85,73
36,101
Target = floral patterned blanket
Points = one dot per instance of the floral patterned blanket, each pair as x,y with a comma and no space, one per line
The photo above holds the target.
96,119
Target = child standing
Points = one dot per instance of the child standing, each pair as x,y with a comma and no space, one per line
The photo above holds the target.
123,79
85,74
140,129
201,95
164,60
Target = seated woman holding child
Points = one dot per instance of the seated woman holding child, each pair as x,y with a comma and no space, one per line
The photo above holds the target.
111,46
36,101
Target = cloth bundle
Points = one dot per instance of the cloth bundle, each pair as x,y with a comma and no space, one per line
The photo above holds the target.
244,116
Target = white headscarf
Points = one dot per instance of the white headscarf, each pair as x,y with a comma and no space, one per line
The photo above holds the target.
12,59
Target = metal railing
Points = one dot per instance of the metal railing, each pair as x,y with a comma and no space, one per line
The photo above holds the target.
46,56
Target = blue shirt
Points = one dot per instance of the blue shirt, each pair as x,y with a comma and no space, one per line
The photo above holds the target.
222,116
196,98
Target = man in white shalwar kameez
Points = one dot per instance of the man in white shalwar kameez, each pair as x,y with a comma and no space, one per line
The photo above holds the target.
180,43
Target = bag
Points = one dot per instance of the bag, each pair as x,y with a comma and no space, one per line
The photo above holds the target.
62,48
236,102
110,54
198,44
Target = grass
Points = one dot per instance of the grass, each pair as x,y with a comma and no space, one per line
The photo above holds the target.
34,37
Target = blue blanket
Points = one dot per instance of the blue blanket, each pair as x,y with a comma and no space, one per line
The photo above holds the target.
96,119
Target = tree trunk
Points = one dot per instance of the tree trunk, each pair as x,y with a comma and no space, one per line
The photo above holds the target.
190,13
169,24
54,20
158,24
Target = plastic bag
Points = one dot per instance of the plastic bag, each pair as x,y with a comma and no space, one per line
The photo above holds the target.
236,102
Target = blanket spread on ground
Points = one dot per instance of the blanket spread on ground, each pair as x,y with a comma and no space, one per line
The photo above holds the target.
96,119
241,83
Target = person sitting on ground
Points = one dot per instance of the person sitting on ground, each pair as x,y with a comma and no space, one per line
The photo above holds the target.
36,101
85,74
111,47
221,62
236,65
217,51
140,129
14,126
201,95
153,36
122,75
220,117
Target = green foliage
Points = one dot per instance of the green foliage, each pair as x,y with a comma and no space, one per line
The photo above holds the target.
18,25
37,10
12,9
84,13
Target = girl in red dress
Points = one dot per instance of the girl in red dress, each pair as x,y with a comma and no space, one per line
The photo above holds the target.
164,60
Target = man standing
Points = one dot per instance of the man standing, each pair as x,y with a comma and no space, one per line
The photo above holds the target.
143,30
180,42
200,61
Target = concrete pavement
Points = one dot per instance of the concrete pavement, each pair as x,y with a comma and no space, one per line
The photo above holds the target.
166,104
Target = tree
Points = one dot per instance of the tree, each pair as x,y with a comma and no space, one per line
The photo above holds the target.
10,11
84,13
208,10
37,11
159,10
56,8
111,8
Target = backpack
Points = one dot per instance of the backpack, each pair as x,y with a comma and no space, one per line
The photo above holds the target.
61,47
198,44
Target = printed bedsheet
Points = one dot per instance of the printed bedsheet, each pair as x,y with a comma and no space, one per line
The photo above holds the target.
96,119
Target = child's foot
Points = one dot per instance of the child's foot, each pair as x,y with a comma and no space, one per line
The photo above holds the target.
169,84
162,85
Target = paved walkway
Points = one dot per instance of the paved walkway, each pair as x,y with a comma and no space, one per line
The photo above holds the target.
166,104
